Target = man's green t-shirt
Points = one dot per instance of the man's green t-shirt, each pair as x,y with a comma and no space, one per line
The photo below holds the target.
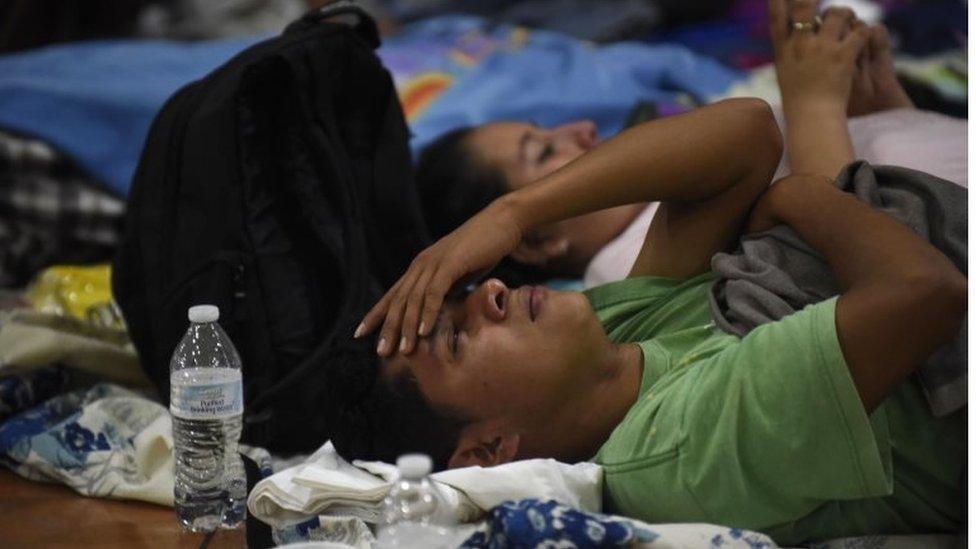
767,432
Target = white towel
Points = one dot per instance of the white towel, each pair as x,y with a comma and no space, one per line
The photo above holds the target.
328,484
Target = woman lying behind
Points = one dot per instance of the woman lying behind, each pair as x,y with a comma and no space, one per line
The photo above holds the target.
807,428
466,169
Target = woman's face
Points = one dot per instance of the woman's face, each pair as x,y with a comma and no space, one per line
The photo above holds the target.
525,152
506,353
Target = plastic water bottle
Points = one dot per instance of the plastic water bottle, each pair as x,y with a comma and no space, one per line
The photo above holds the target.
207,402
409,518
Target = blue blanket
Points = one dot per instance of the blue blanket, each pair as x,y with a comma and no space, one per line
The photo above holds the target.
96,100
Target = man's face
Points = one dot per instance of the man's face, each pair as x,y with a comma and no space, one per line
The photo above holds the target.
501,353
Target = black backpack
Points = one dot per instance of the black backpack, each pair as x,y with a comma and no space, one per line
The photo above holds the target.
279,187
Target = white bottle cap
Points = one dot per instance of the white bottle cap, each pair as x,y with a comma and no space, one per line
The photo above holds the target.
414,465
203,313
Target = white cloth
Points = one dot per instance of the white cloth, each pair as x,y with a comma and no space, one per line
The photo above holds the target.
921,140
865,10
614,261
326,483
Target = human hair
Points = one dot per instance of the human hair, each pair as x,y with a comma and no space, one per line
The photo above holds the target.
380,419
454,184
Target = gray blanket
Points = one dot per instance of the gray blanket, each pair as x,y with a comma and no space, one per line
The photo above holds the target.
774,273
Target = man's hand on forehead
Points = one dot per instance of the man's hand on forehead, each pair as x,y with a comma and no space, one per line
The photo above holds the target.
436,329
411,307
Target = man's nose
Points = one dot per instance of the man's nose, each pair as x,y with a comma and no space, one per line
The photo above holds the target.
492,299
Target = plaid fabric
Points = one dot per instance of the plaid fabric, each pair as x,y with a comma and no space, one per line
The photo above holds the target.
50,212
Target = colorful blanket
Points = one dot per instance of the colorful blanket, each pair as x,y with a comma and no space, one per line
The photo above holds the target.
457,71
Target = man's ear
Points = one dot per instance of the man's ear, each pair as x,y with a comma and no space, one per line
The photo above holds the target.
485,447
540,246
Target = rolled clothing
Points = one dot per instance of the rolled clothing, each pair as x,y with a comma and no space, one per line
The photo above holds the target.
775,273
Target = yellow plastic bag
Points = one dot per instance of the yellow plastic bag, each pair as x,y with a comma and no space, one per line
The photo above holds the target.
72,321
80,292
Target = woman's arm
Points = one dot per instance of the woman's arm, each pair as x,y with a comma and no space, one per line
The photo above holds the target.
687,159
815,68
901,297
705,197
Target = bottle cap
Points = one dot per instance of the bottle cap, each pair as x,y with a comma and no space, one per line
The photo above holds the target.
414,465
203,313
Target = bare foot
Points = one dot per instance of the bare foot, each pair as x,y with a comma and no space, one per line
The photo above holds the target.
876,87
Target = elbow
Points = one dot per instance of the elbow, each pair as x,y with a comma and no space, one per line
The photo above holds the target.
768,134
956,288
944,292
764,138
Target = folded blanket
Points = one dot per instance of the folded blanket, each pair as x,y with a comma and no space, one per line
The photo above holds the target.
774,273
328,483
103,442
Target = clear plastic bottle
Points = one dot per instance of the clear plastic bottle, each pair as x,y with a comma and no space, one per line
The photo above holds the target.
207,403
410,516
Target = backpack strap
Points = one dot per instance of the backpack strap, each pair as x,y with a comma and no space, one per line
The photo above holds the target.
363,23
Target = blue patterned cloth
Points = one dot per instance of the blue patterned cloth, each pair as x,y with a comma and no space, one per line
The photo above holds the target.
533,523
104,441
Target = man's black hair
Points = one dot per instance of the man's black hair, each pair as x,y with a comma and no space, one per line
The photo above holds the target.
454,184
377,418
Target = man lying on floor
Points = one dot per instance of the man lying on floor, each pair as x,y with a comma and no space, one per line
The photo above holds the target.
807,428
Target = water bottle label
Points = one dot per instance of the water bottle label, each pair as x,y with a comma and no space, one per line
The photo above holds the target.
210,401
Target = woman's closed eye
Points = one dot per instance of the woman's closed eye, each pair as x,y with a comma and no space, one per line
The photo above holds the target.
545,153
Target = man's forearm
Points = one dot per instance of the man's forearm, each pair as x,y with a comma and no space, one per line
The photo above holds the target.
901,297
862,245
685,158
